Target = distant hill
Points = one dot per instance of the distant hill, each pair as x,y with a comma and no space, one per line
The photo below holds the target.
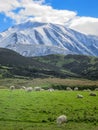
12,58
12,64
83,66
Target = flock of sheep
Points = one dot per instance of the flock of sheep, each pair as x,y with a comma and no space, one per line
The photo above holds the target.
29,89
62,118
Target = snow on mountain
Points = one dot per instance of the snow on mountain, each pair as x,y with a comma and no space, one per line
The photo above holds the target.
35,39
0,36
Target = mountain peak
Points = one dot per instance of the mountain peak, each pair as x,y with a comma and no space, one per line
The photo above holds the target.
27,25
37,38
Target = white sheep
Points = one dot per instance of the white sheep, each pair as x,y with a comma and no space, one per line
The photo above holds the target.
93,94
88,90
23,87
42,89
68,89
29,89
76,89
96,89
37,88
50,89
79,96
12,87
61,119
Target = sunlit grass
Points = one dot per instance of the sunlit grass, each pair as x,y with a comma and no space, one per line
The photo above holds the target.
39,110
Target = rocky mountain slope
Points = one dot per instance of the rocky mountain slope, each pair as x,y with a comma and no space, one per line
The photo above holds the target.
38,39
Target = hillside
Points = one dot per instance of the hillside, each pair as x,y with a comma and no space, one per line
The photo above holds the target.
83,66
13,64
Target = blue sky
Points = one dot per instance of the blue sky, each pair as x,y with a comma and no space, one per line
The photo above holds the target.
83,7
81,15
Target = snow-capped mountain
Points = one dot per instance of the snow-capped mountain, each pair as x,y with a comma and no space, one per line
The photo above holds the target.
36,39
0,36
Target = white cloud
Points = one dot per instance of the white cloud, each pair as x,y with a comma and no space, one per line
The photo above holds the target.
87,25
8,5
37,10
45,13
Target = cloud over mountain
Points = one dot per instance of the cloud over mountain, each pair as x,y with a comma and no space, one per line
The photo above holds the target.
38,10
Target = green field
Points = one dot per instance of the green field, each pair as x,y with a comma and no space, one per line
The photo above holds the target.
21,110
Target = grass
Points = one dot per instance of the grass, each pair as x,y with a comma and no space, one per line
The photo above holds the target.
20,110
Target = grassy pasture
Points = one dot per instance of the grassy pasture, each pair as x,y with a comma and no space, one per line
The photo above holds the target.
20,110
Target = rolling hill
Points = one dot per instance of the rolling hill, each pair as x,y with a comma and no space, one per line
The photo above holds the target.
13,64
83,66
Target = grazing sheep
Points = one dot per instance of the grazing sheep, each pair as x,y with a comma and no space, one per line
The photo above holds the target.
68,89
61,119
29,89
96,89
23,87
79,96
50,89
88,90
37,88
12,87
84,90
93,94
76,89
42,89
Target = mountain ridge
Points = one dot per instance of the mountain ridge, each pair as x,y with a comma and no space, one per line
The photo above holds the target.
38,39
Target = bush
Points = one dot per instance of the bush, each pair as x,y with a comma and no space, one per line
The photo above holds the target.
63,87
